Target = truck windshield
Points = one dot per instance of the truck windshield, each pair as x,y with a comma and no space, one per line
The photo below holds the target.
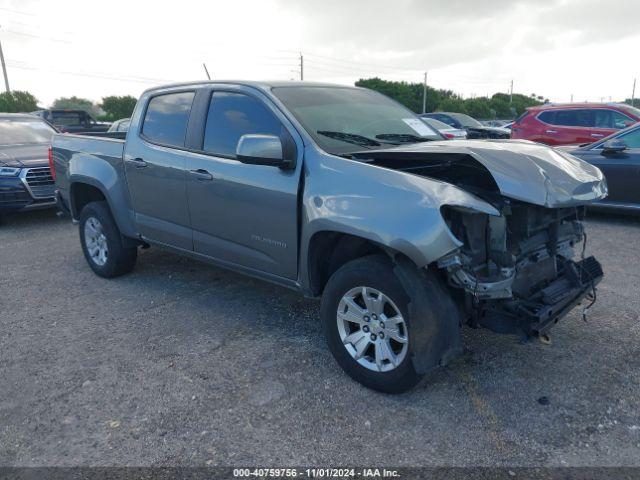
343,120
24,130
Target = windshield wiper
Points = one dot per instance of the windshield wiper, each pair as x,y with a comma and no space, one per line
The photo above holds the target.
351,138
402,137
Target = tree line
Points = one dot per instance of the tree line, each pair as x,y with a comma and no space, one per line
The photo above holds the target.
410,94
111,108
499,105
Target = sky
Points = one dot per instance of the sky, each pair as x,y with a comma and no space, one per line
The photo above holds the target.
588,49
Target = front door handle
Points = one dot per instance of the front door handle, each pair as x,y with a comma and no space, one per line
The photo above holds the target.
597,135
202,174
139,162
552,131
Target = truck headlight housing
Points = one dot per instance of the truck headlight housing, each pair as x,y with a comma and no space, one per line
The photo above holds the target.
9,172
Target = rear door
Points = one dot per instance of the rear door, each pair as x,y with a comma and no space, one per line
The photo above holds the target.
155,169
572,125
241,214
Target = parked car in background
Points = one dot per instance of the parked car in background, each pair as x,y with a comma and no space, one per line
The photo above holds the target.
447,130
25,176
121,125
495,123
618,157
341,193
573,123
473,127
72,121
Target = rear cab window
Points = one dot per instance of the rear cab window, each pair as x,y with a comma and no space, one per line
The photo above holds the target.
165,121
68,119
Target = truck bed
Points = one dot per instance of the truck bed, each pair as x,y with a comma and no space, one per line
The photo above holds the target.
107,146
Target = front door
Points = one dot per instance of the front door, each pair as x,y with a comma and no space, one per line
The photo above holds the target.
622,170
242,214
155,170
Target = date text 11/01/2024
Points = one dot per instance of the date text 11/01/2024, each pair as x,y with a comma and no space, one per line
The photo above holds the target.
315,473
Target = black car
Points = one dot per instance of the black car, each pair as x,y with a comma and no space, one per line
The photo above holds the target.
73,121
618,156
473,127
25,177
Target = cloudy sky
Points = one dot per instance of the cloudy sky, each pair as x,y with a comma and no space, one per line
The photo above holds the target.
556,48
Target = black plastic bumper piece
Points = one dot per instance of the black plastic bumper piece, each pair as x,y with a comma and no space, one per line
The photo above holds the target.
536,315
61,204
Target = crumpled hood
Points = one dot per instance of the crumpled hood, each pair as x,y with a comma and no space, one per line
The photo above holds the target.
522,170
21,156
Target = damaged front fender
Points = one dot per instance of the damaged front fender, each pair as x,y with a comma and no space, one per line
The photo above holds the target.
392,209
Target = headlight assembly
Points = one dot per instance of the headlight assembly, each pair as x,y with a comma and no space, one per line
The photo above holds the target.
9,172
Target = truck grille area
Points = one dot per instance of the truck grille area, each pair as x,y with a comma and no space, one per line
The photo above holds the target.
517,270
39,182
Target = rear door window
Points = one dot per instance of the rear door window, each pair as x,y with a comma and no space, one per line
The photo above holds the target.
548,117
573,118
232,115
165,121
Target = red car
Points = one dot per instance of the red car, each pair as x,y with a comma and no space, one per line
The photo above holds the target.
564,124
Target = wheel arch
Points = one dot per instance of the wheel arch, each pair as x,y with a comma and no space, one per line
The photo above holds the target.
328,250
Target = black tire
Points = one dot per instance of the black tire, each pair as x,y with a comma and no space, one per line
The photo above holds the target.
375,271
120,259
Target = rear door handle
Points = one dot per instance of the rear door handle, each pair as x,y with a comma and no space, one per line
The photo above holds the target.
551,131
139,162
597,135
202,174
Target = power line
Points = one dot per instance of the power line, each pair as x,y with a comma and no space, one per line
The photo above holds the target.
130,79
24,34
18,12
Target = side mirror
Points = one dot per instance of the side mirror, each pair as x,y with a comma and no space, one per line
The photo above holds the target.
615,145
259,149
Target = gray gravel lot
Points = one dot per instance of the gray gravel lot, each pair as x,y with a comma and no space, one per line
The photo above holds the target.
181,363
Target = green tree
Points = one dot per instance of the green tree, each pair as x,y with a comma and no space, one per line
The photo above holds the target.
452,105
17,101
409,94
76,103
116,107
500,105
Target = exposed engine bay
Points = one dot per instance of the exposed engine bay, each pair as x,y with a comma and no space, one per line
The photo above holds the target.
515,273
518,270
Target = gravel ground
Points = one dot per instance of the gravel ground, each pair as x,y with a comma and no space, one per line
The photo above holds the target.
181,363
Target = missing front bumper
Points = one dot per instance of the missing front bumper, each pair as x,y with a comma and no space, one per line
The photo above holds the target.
536,315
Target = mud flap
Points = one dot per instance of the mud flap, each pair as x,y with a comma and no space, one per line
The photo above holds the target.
436,319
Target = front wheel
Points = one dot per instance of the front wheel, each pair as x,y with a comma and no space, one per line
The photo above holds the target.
367,326
102,243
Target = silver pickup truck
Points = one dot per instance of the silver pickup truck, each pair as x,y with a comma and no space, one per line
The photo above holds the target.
341,193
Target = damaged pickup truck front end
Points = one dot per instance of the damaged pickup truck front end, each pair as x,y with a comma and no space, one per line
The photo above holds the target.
515,271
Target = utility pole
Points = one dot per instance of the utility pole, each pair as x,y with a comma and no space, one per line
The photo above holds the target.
204,65
633,93
572,98
4,69
511,93
301,67
424,94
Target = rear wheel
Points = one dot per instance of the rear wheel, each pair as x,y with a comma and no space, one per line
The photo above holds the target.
366,322
102,242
